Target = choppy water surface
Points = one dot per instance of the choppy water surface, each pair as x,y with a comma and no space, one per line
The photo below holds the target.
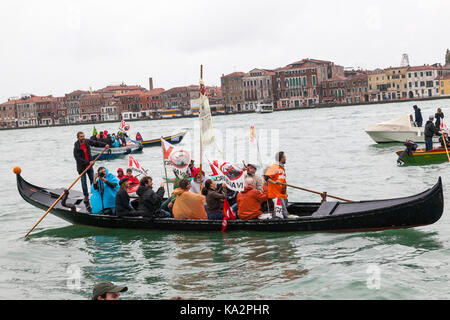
327,150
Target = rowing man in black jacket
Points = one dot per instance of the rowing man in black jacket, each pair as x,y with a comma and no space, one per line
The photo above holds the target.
430,131
83,157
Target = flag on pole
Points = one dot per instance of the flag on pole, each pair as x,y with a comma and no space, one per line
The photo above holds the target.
228,214
176,158
444,127
124,126
206,129
135,166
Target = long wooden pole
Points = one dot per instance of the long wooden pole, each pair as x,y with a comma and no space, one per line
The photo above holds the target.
63,194
316,192
201,140
445,145
165,169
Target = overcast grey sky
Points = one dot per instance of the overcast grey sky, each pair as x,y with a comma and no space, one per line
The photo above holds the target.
53,47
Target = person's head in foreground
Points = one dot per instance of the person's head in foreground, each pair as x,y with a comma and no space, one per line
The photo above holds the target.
107,291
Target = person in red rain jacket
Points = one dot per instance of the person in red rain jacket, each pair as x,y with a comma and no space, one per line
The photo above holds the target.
120,174
132,179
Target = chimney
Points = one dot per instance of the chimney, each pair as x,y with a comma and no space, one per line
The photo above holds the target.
150,82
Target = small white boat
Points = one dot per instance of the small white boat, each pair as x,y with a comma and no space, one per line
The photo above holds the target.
264,108
397,130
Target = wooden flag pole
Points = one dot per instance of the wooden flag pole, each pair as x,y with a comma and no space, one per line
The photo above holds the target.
201,141
165,169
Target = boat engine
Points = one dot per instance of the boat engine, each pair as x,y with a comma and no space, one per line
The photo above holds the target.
411,146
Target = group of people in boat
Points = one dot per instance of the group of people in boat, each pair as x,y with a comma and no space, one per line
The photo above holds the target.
432,128
114,140
195,195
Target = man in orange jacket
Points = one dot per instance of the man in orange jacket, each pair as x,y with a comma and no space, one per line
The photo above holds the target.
276,180
249,201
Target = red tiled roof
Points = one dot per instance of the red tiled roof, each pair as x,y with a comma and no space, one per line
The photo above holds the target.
423,68
447,77
236,74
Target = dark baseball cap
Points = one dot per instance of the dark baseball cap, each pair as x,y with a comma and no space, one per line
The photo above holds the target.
123,180
103,287
252,165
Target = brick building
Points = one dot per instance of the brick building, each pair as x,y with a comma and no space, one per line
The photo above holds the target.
233,90
8,114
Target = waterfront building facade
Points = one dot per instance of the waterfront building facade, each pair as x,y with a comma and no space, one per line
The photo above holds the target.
8,114
233,91
259,89
422,81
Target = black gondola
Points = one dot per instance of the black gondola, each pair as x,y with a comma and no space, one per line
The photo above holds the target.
423,209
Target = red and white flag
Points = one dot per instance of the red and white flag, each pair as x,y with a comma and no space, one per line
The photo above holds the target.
444,127
176,158
225,172
135,166
124,126
228,214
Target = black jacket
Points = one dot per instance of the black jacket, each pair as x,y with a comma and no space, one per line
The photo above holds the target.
122,203
78,153
431,130
438,117
150,202
418,116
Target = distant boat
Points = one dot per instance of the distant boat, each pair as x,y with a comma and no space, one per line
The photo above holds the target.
113,153
157,142
397,130
264,108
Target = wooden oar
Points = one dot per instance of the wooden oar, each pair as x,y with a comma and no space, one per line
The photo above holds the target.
445,145
323,194
65,191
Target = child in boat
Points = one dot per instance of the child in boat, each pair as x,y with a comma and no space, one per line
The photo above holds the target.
188,205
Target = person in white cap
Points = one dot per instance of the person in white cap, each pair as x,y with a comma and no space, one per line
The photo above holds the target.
444,138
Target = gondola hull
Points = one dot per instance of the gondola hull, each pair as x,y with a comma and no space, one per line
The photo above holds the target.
177,138
419,210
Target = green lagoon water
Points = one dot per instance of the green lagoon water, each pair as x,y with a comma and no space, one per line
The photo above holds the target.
327,150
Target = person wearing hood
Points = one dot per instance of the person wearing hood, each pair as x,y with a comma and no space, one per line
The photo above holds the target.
116,143
188,205
149,200
195,184
249,201
120,174
104,191
418,116
439,118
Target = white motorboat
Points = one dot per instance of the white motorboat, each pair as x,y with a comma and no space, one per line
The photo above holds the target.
397,130
264,108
